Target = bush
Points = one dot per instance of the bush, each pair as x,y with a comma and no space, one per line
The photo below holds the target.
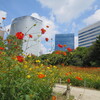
23,81
20,78
93,55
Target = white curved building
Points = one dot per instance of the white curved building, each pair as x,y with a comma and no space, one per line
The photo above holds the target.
28,25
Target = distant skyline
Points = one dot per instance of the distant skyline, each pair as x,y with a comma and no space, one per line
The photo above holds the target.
63,16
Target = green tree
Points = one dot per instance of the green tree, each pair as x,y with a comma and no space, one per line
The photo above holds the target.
78,56
93,55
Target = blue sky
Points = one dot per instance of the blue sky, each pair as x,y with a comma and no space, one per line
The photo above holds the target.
17,8
64,16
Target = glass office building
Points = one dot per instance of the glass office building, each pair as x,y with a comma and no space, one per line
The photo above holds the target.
88,35
64,39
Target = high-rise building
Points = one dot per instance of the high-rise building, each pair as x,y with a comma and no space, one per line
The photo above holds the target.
87,35
28,25
64,39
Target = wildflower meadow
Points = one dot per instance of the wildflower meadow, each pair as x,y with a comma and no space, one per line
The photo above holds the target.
28,77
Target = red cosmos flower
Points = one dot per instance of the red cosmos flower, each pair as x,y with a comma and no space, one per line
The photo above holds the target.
19,35
1,48
62,64
64,45
46,39
3,18
70,72
67,74
69,49
53,97
58,52
30,36
16,47
79,78
43,30
64,53
20,58
60,46
9,40
68,80
41,76
13,58
0,52
47,26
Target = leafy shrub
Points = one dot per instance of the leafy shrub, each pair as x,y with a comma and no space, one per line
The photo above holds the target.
20,78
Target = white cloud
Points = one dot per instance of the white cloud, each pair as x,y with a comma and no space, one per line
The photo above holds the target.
93,18
2,14
52,17
95,7
75,30
67,10
50,32
43,49
74,26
